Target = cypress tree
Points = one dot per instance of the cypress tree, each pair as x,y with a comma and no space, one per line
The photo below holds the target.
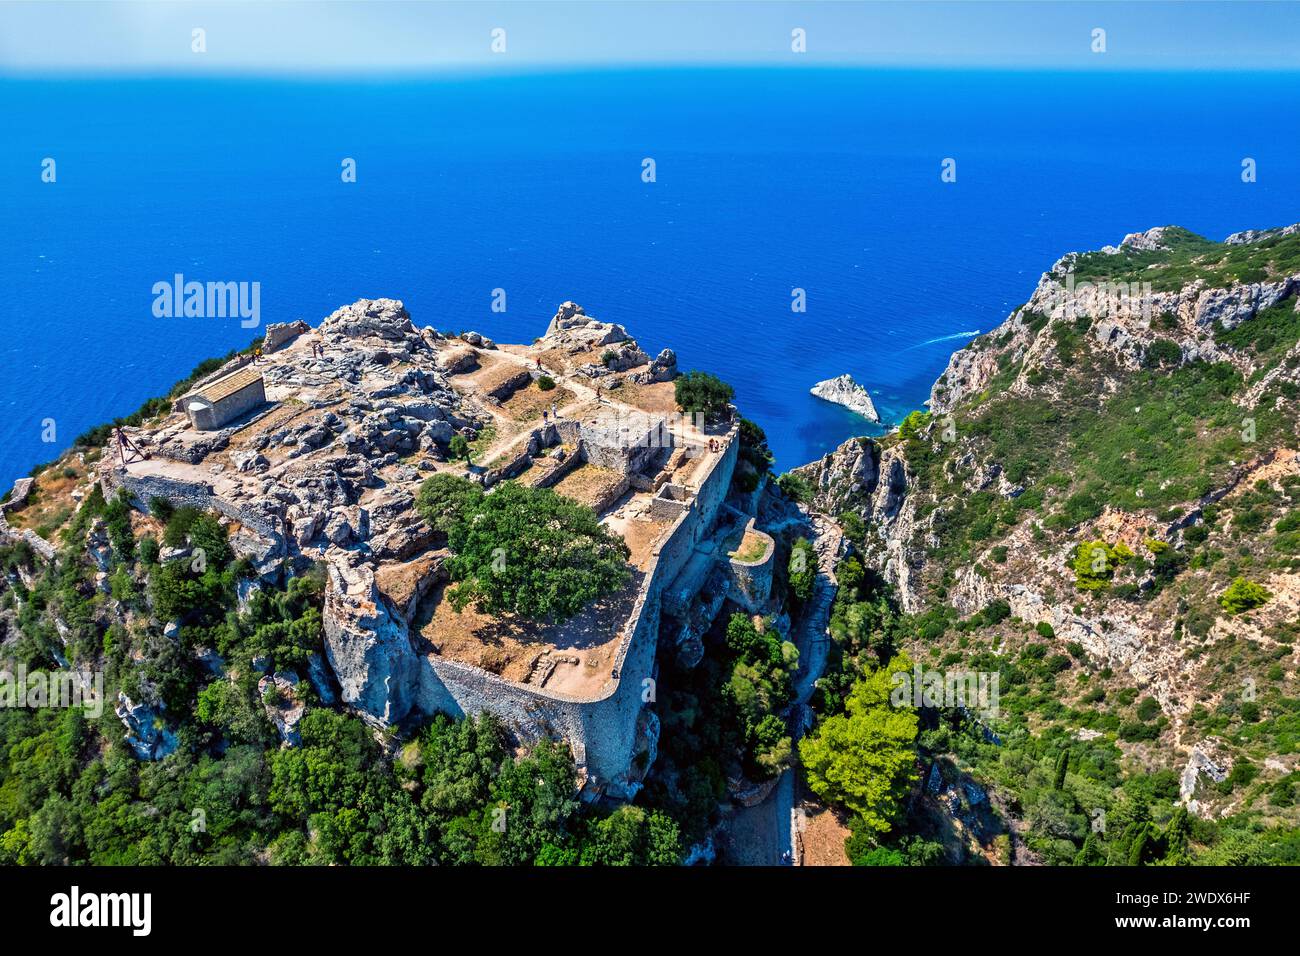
1062,764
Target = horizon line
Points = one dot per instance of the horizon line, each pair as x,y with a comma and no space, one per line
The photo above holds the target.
478,69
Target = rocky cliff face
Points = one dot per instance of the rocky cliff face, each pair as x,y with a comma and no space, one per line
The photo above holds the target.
1145,397
367,644
1127,319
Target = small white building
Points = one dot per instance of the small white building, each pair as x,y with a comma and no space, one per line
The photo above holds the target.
225,399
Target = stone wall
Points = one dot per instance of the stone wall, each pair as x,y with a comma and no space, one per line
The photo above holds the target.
38,544
195,494
602,732
669,503
281,333
752,580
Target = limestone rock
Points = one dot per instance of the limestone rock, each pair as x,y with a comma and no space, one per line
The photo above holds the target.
844,477
845,391
457,361
322,680
279,693
146,733
378,318
367,645
662,369
572,328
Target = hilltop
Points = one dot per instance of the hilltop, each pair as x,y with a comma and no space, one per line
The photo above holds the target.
382,547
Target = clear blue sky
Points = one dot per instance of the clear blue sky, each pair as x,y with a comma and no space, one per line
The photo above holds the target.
47,38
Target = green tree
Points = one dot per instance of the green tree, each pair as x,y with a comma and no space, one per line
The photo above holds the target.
533,802
630,836
795,486
803,571
753,446
444,498
1090,854
117,520
1062,765
206,534
865,758
458,760
1095,562
913,424
702,392
459,448
535,553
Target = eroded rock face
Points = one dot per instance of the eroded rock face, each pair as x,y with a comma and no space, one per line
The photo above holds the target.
1255,235
367,644
1026,565
1206,759
843,478
1125,322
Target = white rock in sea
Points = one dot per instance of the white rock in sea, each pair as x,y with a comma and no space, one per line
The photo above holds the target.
844,391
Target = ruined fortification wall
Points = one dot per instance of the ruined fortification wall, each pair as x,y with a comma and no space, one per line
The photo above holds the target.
603,732
752,580
195,494
38,544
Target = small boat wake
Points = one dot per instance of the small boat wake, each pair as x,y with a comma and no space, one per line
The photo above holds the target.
943,338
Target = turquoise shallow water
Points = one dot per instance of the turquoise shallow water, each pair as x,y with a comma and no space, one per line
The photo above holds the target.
767,180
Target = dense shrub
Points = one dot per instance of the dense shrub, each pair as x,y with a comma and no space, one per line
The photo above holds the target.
532,552
702,392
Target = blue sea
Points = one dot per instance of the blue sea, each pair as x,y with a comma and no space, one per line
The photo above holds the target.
767,180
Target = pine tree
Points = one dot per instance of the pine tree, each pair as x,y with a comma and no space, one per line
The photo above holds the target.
1062,764
1091,854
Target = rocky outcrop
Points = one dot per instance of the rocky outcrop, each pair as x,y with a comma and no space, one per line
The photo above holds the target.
385,319
458,361
662,369
862,477
1207,759
1256,235
284,708
571,328
1137,629
845,391
367,644
845,478
146,730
